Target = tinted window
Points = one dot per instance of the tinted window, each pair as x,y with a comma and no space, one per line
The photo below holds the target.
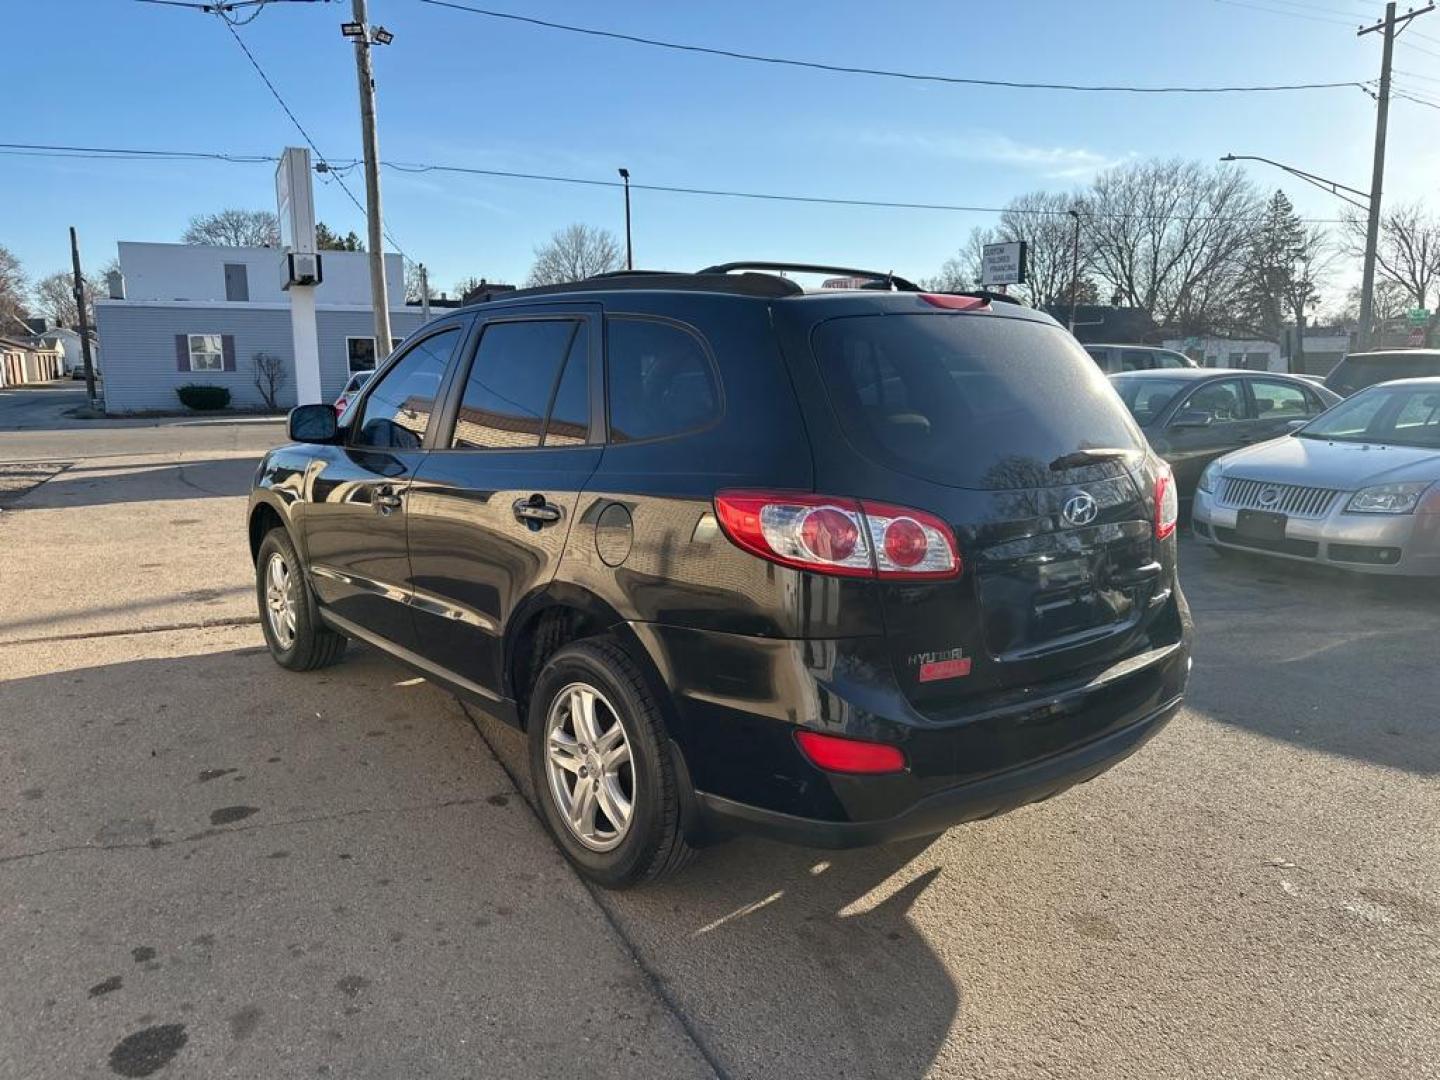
569,423
978,402
660,380
1147,399
1359,371
398,409
1223,400
1135,360
510,383
1169,360
1277,400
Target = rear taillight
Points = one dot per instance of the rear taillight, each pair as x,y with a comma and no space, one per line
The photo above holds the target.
1167,503
834,754
839,536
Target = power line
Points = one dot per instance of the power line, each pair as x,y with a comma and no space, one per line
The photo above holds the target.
1291,14
815,65
320,158
119,153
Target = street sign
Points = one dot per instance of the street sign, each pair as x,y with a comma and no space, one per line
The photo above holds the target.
1417,337
1418,316
1003,264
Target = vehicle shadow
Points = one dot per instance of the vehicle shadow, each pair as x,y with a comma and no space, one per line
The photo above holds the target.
1316,657
788,962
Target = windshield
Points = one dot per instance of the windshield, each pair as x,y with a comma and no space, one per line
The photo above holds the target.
1147,399
974,401
1397,415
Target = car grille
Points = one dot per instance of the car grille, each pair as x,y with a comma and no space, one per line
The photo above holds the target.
1290,499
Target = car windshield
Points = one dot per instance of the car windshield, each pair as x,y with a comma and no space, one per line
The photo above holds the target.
971,401
1397,415
1147,398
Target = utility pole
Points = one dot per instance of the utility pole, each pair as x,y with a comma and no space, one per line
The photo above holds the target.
629,253
1074,268
84,321
1390,27
424,293
365,73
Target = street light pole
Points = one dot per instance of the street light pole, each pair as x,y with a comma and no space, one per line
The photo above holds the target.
365,73
1074,267
629,252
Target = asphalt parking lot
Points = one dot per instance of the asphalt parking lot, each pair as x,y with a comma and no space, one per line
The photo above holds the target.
211,867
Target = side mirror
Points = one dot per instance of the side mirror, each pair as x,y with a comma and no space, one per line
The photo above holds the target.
1296,424
313,424
1193,418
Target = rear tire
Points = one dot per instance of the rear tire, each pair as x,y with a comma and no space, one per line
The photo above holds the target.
601,768
289,618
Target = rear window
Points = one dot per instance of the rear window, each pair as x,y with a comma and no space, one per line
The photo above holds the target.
1358,372
970,401
1147,398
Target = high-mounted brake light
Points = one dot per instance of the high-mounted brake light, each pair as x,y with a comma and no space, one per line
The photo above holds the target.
834,754
954,303
839,536
1167,503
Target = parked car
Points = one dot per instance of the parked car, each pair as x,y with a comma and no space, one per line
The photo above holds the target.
1191,417
1359,370
1358,487
1114,358
837,567
352,387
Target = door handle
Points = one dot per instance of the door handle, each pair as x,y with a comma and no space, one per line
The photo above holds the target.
386,501
535,511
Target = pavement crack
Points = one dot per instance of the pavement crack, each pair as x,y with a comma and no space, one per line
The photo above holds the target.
202,624
652,978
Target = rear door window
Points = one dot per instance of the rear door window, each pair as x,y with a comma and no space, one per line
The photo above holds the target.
1358,372
967,400
659,380
511,383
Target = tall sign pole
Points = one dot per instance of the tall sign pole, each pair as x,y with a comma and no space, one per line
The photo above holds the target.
1389,27
365,73
300,270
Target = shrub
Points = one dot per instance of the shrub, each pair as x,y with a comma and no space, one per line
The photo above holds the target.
203,398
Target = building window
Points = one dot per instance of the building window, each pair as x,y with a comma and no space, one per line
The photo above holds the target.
360,352
237,283
207,352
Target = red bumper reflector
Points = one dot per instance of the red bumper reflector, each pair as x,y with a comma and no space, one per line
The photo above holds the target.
945,669
834,754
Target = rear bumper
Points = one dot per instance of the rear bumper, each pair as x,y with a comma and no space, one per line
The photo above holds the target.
1033,782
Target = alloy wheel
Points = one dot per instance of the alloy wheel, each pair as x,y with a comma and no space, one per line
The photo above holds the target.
280,600
589,767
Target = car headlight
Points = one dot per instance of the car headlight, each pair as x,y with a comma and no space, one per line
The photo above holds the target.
1209,477
1387,498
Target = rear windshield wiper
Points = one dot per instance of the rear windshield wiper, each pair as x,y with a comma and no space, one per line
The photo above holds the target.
1092,456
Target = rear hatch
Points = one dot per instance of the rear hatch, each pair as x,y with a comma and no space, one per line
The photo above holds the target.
1359,370
1002,426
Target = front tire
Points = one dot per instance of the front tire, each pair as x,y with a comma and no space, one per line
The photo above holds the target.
600,764
297,638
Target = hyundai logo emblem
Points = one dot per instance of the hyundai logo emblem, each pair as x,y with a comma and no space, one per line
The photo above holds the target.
1269,496
1080,509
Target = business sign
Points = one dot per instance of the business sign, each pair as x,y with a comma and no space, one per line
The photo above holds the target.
295,201
1418,316
1003,264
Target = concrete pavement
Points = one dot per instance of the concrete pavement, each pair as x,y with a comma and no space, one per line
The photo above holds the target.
1255,894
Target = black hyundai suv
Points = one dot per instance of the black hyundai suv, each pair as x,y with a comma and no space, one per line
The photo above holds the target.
837,566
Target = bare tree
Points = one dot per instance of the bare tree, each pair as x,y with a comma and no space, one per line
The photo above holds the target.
269,378
574,253
12,290
953,277
55,297
1169,237
234,228
1408,254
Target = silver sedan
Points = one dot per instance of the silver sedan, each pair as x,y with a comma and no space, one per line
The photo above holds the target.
1357,487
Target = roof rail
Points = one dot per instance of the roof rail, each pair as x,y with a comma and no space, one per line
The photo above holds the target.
889,278
764,285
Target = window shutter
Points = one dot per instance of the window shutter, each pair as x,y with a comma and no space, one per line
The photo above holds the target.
182,352
227,347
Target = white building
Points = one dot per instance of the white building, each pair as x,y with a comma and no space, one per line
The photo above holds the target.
191,313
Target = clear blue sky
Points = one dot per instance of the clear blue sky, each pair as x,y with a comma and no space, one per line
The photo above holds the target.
459,89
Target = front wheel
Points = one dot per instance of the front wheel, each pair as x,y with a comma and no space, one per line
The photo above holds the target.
603,777
297,638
